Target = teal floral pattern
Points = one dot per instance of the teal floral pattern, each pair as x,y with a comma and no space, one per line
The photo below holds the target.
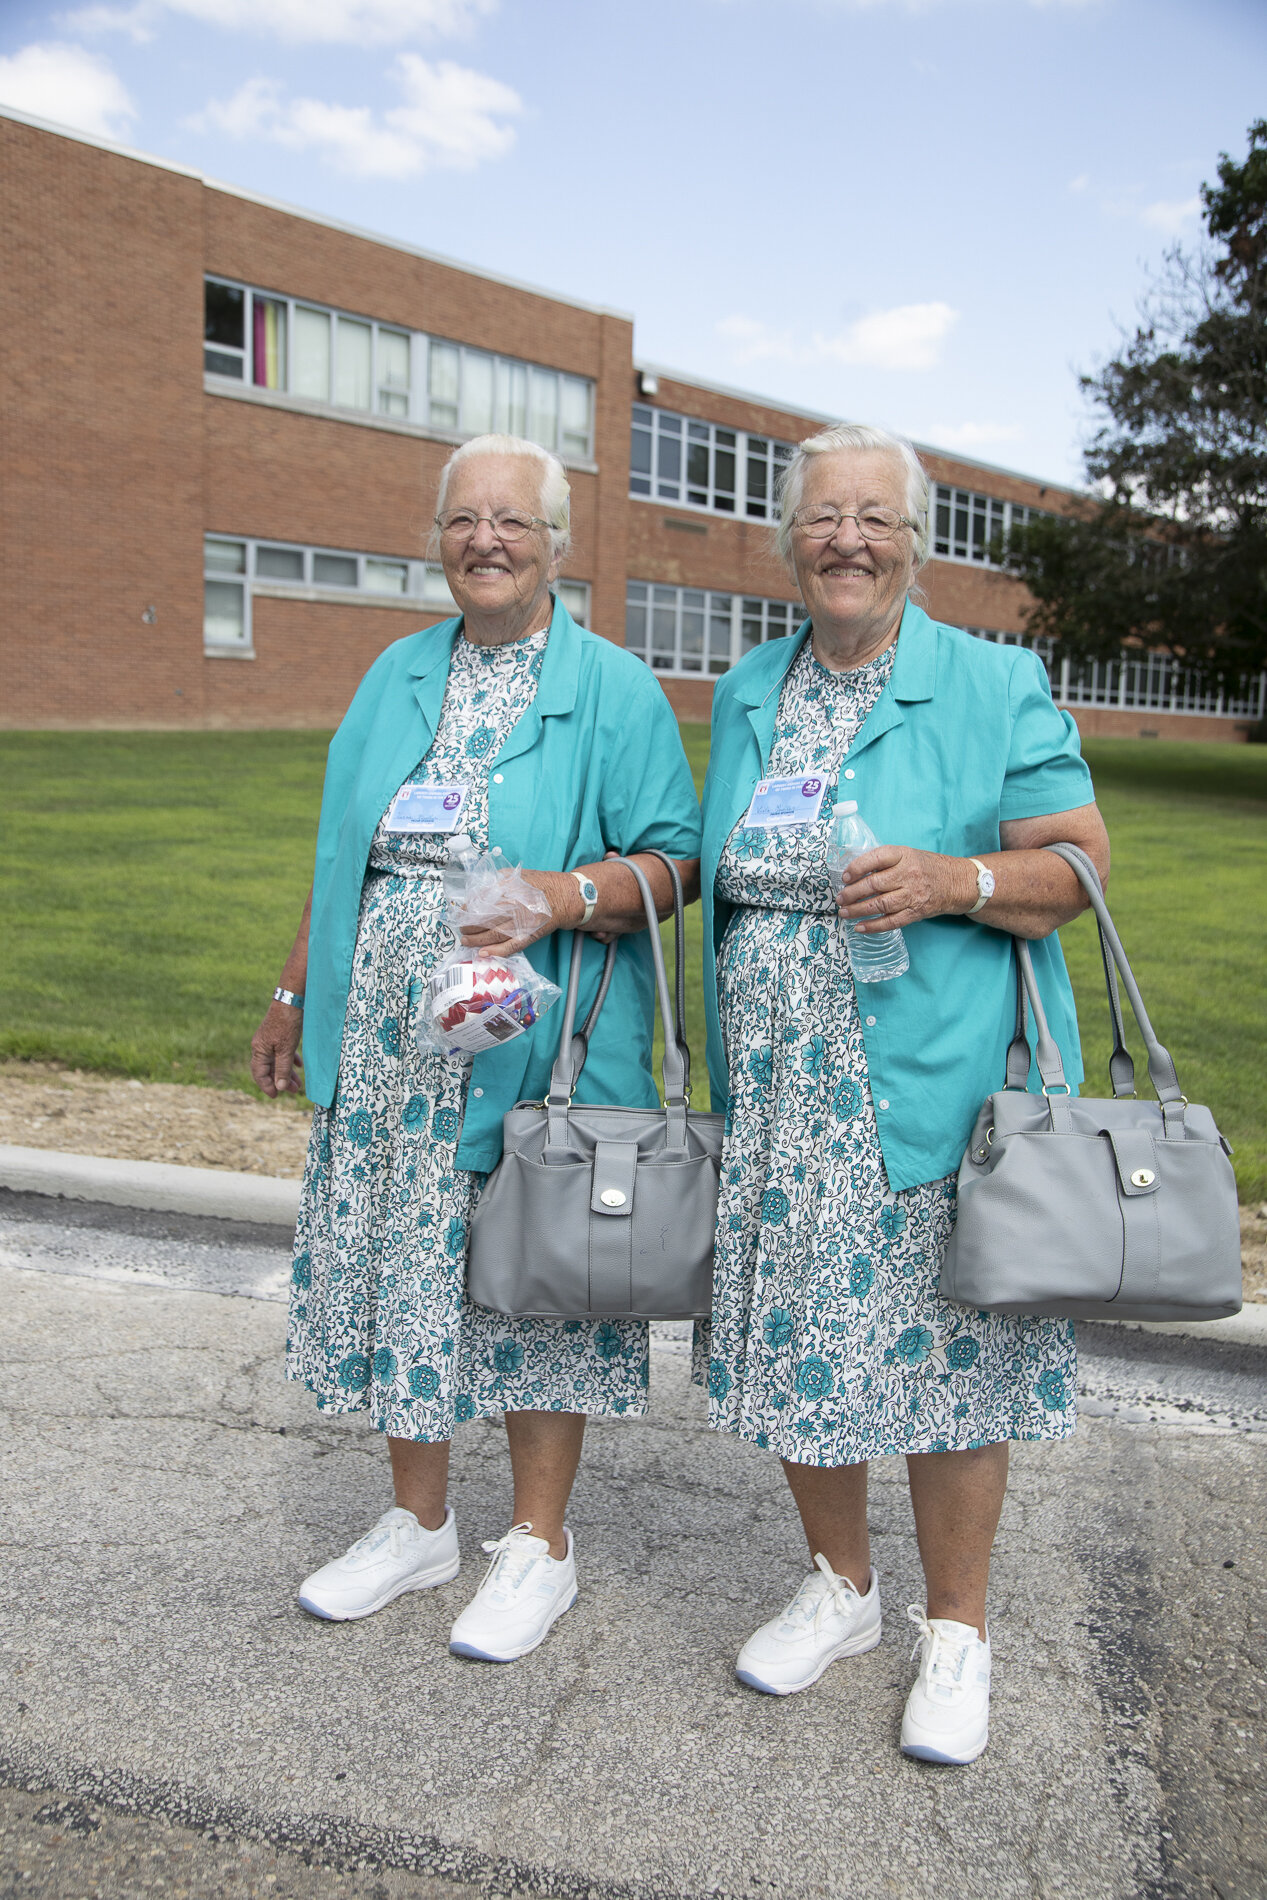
828,1343
378,1315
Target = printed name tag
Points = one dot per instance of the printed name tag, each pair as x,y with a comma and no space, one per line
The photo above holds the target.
786,801
426,808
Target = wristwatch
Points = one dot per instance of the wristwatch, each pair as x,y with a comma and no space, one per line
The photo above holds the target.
985,885
293,997
589,893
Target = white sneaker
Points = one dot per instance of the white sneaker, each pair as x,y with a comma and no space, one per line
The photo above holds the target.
947,1716
825,1620
524,1591
397,1555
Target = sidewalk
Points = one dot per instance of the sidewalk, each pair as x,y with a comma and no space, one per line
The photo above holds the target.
165,1491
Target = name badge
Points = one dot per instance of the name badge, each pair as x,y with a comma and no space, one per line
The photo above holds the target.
426,808
786,801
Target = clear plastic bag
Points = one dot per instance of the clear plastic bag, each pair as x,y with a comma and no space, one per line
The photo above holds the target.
475,1001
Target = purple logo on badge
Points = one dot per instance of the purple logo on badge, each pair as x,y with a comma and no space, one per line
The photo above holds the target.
452,800
811,788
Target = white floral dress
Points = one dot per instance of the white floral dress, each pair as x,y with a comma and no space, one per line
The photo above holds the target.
828,1343
378,1314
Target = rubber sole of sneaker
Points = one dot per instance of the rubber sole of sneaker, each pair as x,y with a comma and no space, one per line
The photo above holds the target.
924,1751
512,1655
853,1646
430,1580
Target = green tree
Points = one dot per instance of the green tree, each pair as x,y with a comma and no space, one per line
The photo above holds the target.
1172,552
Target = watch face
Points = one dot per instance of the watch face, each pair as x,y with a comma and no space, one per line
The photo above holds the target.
985,883
589,891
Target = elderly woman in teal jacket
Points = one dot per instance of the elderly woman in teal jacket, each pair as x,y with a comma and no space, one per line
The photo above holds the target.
562,748
849,1109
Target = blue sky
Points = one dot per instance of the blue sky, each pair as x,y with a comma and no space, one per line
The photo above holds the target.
928,213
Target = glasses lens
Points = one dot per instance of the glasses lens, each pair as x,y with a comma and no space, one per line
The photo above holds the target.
817,523
878,524
459,524
510,526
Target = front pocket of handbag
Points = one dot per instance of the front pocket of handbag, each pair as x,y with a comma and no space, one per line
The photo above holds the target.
675,1219
529,1240
1042,1226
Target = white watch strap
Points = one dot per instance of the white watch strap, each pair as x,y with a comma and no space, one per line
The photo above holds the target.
983,897
591,903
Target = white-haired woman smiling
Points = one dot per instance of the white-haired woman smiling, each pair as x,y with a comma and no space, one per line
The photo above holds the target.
849,1110
552,746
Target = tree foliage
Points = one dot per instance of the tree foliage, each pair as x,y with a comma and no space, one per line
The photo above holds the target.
1173,552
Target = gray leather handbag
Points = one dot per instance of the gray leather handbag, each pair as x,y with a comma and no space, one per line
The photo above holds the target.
1084,1209
600,1212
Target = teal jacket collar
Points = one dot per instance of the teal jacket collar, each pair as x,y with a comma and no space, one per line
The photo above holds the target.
556,689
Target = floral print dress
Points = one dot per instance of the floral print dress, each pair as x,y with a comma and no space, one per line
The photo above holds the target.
378,1315
828,1343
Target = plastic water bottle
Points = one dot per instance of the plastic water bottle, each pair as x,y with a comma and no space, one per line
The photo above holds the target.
875,956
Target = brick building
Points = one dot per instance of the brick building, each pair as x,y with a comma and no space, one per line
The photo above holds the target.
224,421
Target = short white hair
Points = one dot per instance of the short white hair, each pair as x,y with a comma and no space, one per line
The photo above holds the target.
843,437
555,503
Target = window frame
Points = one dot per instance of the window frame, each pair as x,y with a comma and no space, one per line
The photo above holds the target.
503,371
979,511
713,439
777,620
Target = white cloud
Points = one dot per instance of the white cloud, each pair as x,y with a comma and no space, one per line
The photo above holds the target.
969,435
452,117
1171,214
53,80
355,22
907,337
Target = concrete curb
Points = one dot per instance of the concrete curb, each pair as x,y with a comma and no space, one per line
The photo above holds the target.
270,1201
214,1192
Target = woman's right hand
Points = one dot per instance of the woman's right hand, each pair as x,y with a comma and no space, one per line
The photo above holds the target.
275,1063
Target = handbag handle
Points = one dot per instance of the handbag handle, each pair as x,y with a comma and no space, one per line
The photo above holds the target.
574,1047
1121,1064
1161,1068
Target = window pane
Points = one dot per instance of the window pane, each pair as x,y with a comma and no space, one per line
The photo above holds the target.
697,469
269,324
692,639
477,393
512,397
312,355
224,318
543,407
217,363
443,386
435,589
724,472
575,597
334,570
574,416
225,557
279,564
393,373
352,365
386,577
224,613
669,462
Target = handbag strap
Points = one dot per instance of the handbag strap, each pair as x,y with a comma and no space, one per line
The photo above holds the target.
574,1047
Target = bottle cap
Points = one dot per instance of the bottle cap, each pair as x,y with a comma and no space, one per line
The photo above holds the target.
842,810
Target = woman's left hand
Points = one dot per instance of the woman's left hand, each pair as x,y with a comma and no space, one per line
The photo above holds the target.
504,938
897,886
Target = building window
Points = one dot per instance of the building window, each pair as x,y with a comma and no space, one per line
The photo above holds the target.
351,362
1138,682
226,611
234,570
704,465
692,630
966,524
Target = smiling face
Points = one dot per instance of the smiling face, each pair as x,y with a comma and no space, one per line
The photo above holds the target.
854,590
503,590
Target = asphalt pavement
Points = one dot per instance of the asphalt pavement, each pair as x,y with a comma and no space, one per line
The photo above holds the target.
171,1721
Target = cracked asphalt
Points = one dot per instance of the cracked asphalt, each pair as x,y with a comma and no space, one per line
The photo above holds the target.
171,1722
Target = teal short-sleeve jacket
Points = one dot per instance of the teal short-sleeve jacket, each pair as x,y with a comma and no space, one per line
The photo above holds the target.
595,764
964,736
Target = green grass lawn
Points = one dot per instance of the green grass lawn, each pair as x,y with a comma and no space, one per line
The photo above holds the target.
151,883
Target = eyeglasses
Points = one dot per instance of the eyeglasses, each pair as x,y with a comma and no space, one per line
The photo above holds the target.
507,524
819,522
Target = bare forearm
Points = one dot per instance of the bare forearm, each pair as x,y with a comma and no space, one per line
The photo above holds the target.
295,969
619,911
1034,892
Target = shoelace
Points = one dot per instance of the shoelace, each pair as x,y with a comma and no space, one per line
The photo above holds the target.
374,1539
839,1595
947,1655
512,1560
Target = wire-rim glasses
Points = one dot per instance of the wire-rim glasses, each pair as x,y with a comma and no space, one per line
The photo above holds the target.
819,521
507,524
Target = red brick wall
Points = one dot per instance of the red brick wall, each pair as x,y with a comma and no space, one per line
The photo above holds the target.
101,321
